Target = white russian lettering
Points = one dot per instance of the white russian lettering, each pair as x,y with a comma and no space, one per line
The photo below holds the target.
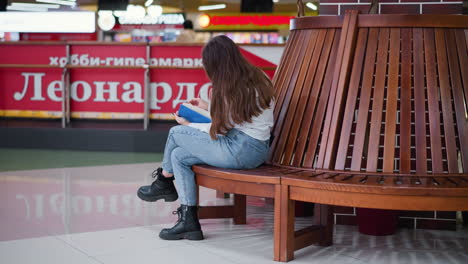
118,61
37,86
188,62
205,91
139,61
109,61
129,61
153,61
111,91
190,88
166,94
74,59
54,60
86,91
52,89
165,62
177,62
84,60
198,63
132,92
63,61
95,61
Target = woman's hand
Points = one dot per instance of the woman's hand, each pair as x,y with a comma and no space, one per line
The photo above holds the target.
199,103
181,120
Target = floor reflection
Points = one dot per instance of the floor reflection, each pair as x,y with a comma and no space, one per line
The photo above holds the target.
63,201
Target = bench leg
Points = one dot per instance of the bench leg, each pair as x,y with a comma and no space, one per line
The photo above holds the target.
326,221
240,209
287,235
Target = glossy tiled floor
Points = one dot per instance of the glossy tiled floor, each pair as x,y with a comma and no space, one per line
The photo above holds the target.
92,215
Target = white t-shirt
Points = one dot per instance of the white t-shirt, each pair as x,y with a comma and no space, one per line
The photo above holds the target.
259,128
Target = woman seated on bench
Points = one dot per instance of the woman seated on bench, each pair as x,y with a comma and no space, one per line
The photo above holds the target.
241,111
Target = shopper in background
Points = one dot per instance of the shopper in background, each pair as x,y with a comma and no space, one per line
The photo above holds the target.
188,35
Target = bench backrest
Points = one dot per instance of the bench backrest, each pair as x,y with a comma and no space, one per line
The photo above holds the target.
303,84
398,97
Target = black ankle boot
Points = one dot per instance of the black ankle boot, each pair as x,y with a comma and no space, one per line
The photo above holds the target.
161,188
187,226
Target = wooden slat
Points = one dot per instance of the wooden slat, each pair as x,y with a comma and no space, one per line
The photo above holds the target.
285,97
303,102
463,58
377,104
433,101
419,101
405,102
306,124
364,101
392,98
314,132
285,75
446,98
457,91
351,99
299,90
283,62
338,92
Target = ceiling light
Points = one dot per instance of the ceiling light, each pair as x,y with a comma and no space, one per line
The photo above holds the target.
60,2
211,7
204,20
311,6
275,1
24,8
148,3
35,5
65,22
106,21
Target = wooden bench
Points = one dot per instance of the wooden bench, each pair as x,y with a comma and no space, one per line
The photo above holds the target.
329,149
396,129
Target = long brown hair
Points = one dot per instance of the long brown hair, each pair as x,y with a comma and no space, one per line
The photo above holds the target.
240,90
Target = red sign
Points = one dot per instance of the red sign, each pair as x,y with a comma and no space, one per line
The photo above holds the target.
58,36
258,20
113,91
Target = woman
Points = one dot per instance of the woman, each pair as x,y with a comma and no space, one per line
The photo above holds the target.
241,111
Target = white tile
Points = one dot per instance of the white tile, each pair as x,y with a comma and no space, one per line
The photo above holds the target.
177,253
115,241
41,250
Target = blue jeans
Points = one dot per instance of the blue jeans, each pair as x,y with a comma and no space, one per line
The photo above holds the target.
186,146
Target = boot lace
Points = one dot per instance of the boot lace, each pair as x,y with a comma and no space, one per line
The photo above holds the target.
157,175
178,212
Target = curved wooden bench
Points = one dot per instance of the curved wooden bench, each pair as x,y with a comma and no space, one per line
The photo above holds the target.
302,57
396,132
329,147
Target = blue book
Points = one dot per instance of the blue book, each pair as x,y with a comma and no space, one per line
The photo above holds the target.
194,114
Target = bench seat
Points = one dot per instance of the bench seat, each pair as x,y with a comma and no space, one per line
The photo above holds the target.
438,192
